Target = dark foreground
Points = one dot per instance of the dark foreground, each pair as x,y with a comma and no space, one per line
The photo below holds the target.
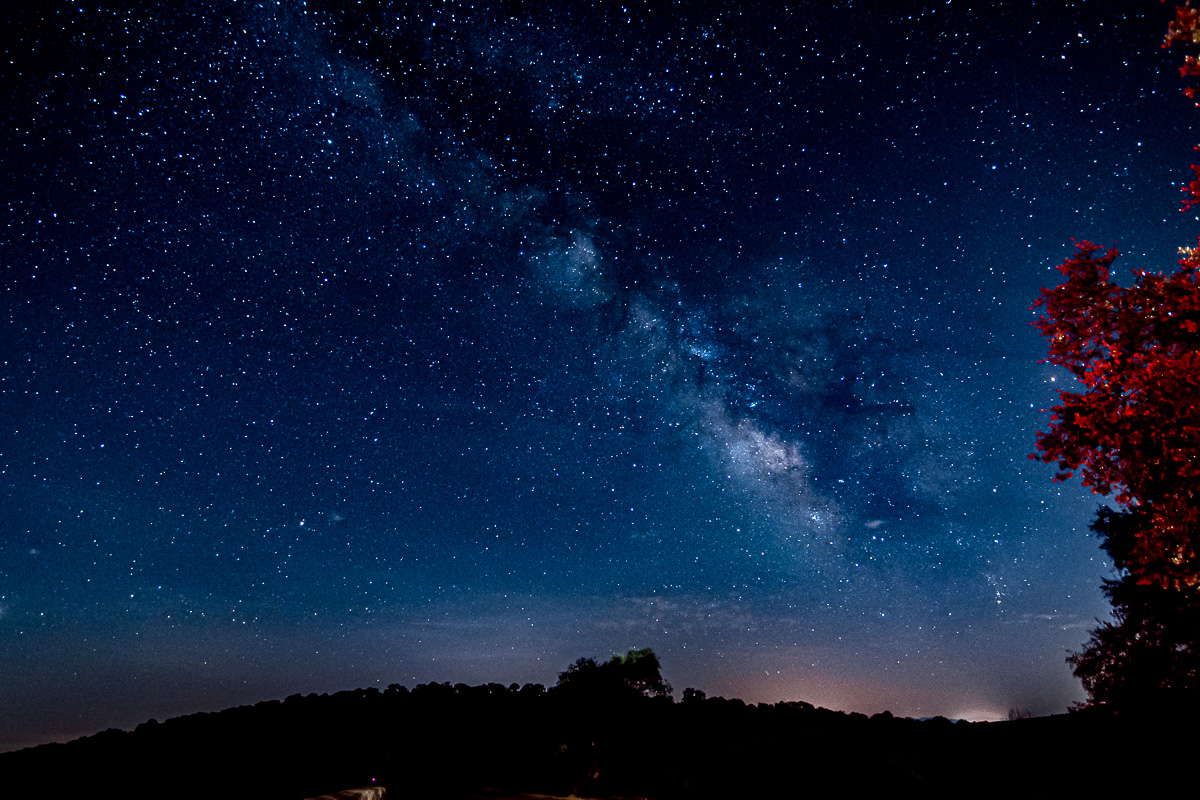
439,741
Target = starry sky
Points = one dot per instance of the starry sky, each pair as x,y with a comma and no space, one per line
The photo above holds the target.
356,343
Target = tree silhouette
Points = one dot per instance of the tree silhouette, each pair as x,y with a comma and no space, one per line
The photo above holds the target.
1148,658
637,670
640,670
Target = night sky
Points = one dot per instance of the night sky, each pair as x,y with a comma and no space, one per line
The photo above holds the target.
347,344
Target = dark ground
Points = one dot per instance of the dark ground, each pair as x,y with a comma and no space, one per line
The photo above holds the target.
494,742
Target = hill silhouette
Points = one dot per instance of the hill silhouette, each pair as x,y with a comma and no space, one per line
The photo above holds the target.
444,741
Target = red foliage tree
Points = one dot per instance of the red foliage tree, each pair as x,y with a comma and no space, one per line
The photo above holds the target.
1135,429
1185,30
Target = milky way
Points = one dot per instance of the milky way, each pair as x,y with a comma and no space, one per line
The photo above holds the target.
348,346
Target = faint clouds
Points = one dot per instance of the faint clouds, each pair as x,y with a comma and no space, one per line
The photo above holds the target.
1066,622
655,614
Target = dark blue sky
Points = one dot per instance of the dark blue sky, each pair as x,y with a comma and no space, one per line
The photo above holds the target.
439,342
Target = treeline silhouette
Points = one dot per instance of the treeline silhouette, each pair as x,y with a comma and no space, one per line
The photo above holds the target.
598,739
